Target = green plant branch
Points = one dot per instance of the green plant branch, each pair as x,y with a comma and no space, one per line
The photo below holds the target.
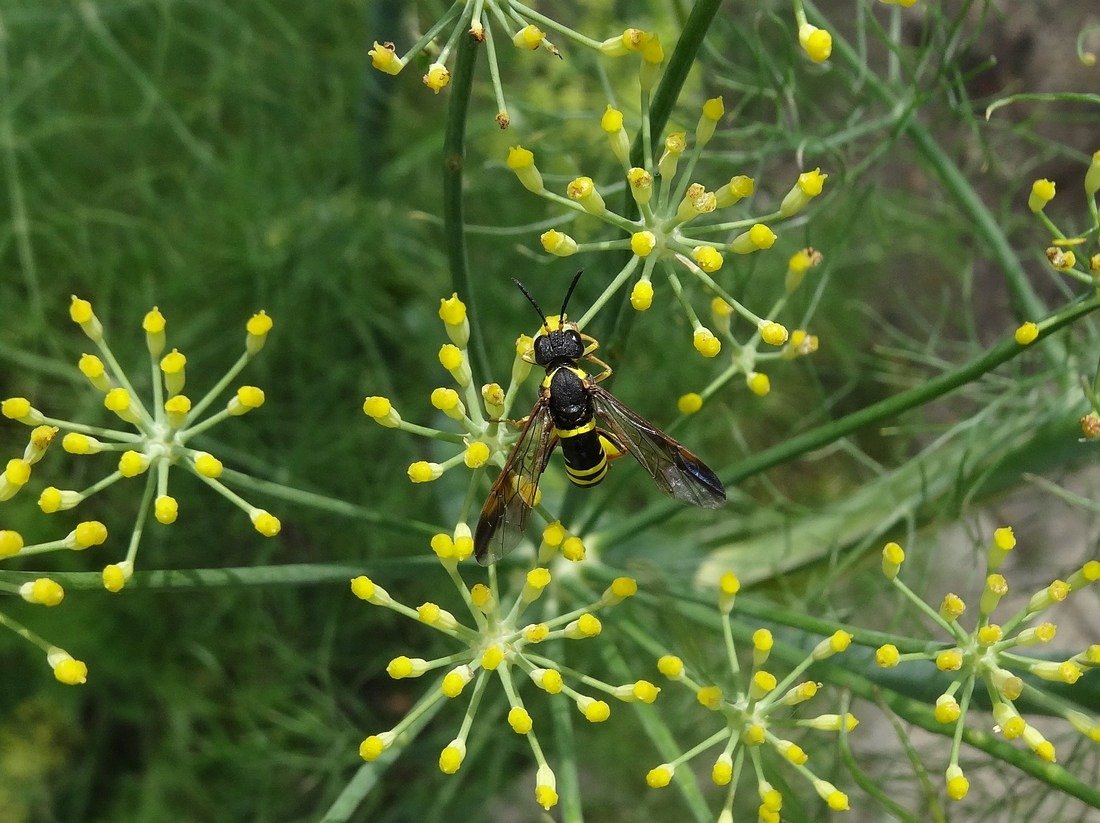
875,413
454,164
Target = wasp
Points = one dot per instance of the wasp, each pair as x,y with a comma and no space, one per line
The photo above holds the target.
592,427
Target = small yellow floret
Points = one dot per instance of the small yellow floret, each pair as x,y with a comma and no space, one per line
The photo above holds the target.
641,296
642,243
947,709
957,784
70,671
372,747
89,533
1026,333
520,720
709,258
887,656
476,455
595,711
17,472
132,463
572,549
437,77
671,666
116,574
1042,192
265,523
817,43
208,465
659,777
80,310
424,472
758,383
166,509
529,37
450,759
709,696
705,342
690,403
774,334
549,680
42,591
384,58
11,543
173,362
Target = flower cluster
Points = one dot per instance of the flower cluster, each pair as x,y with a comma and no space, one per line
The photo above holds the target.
1062,257
990,657
526,28
158,440
498,640
670,232
754,714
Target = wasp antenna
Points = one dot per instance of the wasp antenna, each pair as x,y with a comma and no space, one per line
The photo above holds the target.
569,293
531,300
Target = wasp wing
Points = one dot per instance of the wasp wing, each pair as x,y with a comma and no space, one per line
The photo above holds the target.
676,470
504,515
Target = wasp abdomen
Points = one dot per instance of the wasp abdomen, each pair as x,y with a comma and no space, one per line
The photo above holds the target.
575,425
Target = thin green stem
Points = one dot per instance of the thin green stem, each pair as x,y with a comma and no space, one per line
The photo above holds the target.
875,413
454,164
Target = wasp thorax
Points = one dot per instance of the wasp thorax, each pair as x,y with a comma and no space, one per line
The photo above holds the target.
558,344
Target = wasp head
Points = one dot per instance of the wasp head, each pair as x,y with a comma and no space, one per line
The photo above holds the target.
557,340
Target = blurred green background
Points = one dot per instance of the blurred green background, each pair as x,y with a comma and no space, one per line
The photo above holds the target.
214,159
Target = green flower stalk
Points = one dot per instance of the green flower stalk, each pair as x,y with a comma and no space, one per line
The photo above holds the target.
158,438
500,641
522,25
754,716
990,655
678,233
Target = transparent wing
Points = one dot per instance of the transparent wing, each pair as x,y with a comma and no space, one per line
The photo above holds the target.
676,470
504,515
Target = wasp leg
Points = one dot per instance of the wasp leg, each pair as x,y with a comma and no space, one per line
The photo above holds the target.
590,346
611,445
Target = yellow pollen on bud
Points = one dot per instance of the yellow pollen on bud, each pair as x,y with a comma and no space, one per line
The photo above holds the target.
705,342
11,543
265,523
87,534
758,383
558,243
437,77
166,509
774,334
384,58
520,720
476,455
116,575
173,362
372,747
572,549
132,463
208,465
424,472
450,759
80,310
529,37
817,43
950,660
957,784
659,777
690,403
612,120
549,680
68,670
887,656
1026,333
42,591
671,666
641,296
452,311
1042,192
947,709
721,772
709,696
492,657
709,258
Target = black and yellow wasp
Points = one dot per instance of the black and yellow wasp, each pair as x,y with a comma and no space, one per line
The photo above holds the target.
592,427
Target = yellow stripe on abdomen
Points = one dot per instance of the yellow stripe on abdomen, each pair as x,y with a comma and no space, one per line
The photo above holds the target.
584,428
